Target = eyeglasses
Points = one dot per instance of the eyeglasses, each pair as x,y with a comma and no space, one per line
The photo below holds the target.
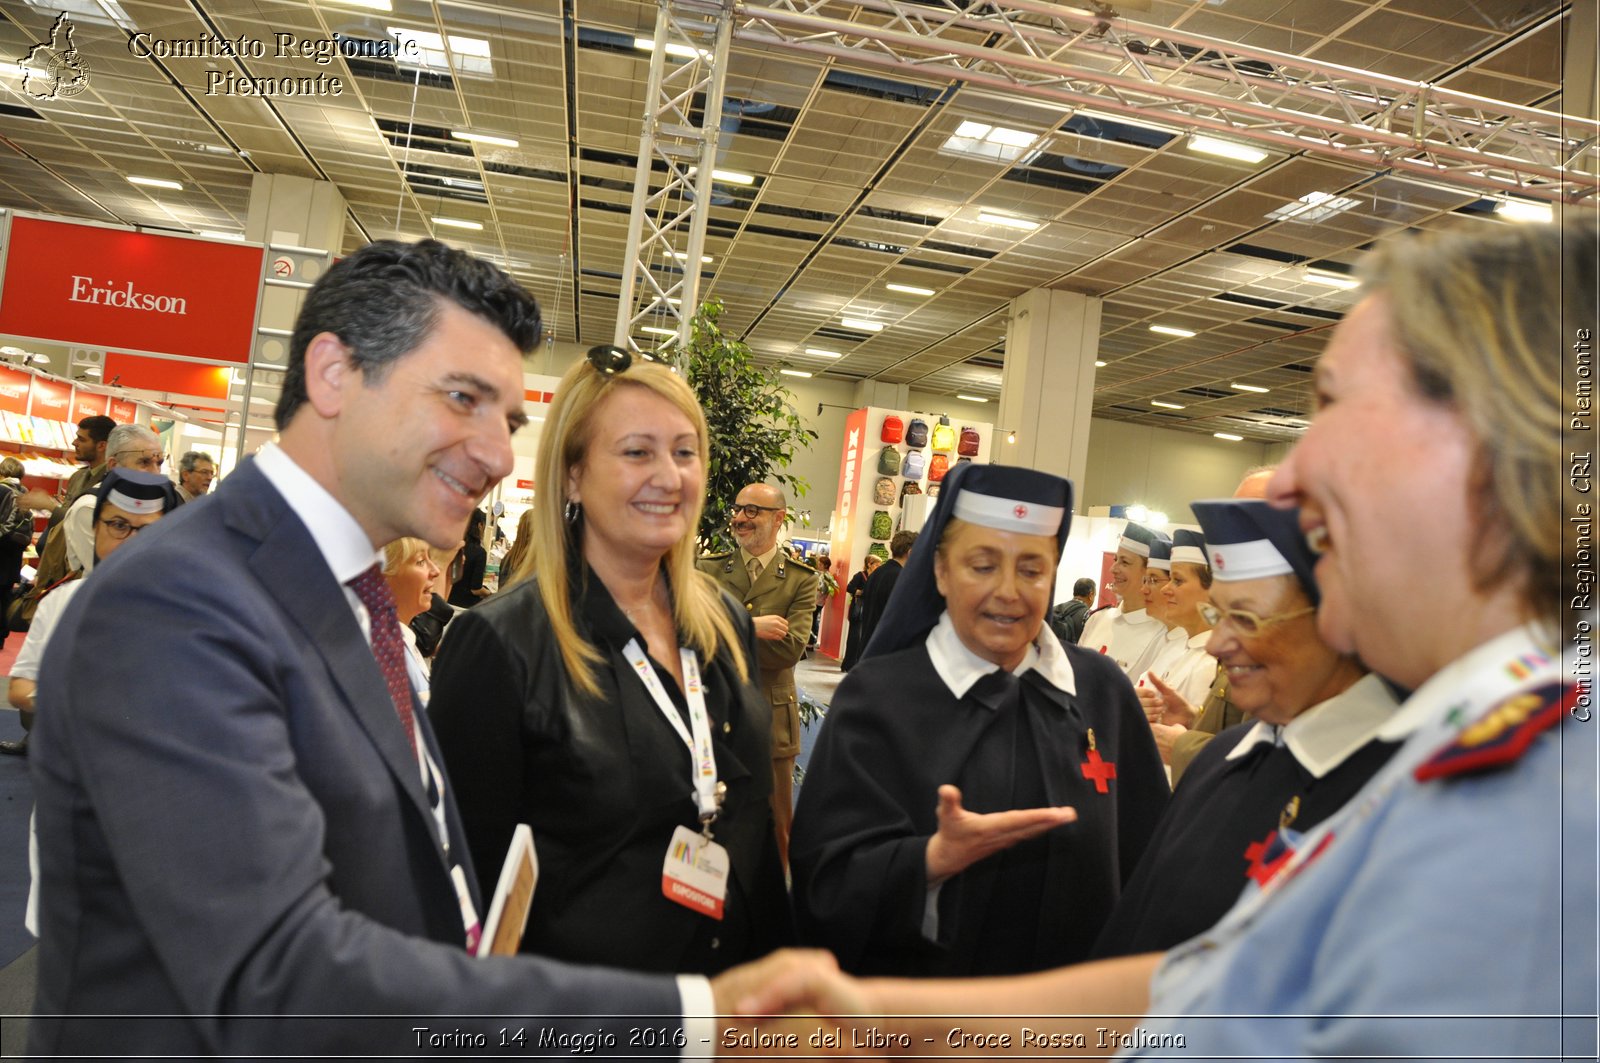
118,528
609,360
753,510
143,459
1246,622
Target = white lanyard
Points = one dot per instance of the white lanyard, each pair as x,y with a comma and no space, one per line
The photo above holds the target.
703,760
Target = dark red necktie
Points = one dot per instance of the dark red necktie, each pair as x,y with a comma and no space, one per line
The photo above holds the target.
387,644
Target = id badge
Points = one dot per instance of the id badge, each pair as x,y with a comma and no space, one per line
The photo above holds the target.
695,873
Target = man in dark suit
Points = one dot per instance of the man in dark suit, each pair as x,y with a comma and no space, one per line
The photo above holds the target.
241,817
781,595
881,584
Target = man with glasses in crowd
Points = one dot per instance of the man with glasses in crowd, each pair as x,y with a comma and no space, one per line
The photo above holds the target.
130,446
781,595
196,469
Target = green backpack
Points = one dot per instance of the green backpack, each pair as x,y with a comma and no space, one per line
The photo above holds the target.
888,461
882,525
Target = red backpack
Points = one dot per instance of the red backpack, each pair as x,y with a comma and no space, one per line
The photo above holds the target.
893,429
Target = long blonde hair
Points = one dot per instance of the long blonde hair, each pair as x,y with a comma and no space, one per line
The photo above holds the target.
697,600
515,566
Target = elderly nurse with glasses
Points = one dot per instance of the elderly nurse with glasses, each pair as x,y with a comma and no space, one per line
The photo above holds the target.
1257,788
979,792
607,700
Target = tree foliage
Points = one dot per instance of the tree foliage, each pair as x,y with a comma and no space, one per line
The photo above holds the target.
755,429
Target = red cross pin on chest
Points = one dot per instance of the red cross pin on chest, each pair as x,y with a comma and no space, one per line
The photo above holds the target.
1021,511
1097,769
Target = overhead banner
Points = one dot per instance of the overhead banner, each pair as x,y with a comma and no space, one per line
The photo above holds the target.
164,374
95,287
88,404
13,391
52,399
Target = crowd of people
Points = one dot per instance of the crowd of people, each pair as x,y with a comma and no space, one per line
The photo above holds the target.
1271,797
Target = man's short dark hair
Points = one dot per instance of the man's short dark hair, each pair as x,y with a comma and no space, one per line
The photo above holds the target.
99,427
383,301
901,544
1084,588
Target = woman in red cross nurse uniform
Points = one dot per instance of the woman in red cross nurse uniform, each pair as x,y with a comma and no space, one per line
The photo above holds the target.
979,792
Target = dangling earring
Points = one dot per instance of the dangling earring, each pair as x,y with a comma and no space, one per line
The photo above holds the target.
572,511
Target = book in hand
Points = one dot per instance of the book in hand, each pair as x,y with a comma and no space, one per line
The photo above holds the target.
513,897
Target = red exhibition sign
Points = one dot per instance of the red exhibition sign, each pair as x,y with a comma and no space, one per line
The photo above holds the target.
88,404
123,411
95,287
13,391
164,374
52,399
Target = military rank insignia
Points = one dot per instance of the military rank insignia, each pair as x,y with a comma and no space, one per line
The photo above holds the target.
1502,734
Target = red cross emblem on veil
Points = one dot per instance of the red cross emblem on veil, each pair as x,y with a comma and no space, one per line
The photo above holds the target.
1216,561
1021,511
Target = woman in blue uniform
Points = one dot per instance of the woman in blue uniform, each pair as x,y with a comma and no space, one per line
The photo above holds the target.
1448,910
936,830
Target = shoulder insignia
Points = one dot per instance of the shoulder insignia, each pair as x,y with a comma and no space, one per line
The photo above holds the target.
1502,734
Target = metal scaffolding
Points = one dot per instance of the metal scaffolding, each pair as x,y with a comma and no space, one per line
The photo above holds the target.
1197,84
678,149
1032,48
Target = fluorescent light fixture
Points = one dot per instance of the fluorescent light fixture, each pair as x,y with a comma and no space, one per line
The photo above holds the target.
682,51
1169,330
657,330
1010,221
1313,206
39,359
370,5
1229,436
992,143
1331,279
92,370
861,324
156,182
459,223
1099,365
1165,405
423,48
972,398
1225,149
484,138
732,177
1249,387
1138,513
820,353
1523,210
683,257
794,372
909,289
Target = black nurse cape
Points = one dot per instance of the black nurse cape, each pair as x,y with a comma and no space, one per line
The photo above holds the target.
894,734
1221,833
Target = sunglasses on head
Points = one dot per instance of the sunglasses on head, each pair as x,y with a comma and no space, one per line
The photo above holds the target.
609,360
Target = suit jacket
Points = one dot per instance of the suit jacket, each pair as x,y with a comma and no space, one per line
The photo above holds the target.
788,588
231,822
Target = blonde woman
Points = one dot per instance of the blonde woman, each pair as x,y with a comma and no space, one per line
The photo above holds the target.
572,700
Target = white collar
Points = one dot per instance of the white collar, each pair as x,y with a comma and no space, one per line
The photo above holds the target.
960,668
1486,671
1138,616
1196,641
1326,734
345,548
